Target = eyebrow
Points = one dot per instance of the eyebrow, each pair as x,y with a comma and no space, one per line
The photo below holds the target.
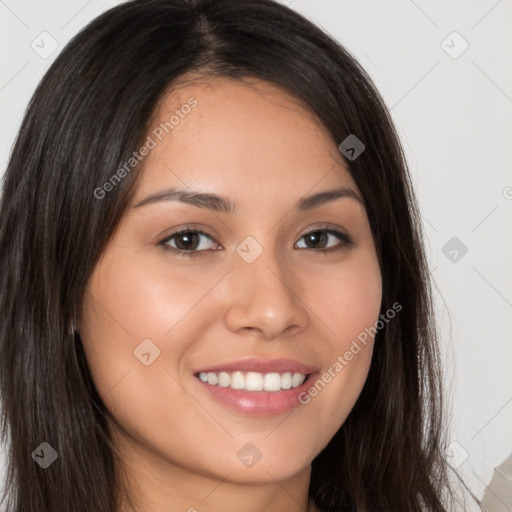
223,204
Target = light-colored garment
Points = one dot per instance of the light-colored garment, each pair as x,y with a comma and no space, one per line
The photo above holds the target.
498,494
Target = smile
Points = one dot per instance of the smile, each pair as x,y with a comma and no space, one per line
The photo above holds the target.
253,393
253,381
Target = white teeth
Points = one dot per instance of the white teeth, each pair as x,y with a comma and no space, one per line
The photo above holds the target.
272,382
237,380
286,380
224,379
297,379
254,381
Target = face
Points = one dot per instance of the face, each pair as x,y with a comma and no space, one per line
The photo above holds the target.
182,331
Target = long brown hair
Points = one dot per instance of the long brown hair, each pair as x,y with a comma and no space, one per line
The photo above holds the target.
89,113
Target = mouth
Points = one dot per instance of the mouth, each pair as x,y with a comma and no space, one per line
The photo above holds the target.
254,381
257,387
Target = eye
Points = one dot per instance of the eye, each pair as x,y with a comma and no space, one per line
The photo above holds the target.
321,237
187,241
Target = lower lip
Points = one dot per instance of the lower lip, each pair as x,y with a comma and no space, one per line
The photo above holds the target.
258,403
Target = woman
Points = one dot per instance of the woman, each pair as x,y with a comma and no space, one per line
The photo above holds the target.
214,293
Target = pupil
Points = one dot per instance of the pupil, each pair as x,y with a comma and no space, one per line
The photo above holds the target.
315,236
189,240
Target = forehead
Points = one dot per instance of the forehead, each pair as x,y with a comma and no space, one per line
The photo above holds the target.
249,140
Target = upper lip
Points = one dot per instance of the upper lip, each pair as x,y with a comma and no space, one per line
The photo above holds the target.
252,364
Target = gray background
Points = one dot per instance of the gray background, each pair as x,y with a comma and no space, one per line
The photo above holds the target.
453,111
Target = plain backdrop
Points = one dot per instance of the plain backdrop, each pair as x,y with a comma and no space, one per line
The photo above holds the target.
444,70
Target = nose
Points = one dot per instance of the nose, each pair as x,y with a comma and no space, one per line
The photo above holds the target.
263,299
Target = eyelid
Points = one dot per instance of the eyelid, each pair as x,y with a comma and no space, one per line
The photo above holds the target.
196,228
327,226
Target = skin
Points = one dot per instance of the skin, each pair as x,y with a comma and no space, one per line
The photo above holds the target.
256,145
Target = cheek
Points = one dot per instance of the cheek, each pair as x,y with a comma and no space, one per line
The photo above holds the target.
131,298
142,297
129,310
347,298
355,304
349,305
136,306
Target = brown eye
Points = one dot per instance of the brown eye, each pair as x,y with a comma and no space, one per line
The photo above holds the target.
188,242
321,237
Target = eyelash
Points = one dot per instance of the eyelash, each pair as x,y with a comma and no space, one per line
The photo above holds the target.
346,242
